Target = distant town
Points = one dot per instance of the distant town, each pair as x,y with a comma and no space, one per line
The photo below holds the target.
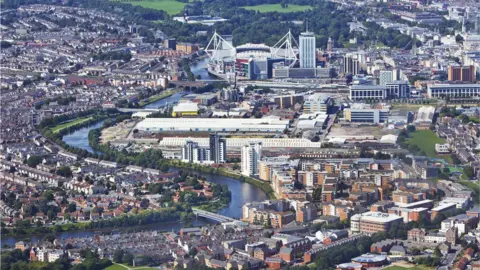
297,134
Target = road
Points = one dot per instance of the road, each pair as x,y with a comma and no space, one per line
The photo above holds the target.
447,261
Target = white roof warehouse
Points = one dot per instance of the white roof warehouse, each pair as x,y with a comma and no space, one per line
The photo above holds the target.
266,124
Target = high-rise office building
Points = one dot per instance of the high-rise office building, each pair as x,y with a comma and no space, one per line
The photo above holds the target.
461,73
351,64
308,58
218,148
388,76
251,154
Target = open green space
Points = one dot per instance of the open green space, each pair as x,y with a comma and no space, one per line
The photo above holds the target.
119,266
62,126
172,7
277,8
426,140
474,185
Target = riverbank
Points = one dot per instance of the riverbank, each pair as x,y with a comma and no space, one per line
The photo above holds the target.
155,98
144,217
264,186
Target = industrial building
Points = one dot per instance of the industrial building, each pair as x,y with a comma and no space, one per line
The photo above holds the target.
425,115
185,109
453,90
266,124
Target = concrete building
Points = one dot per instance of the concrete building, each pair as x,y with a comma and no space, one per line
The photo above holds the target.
317,103
307,50
371,222
191,152
360,112
453,90
351,64
388,76
251,154
363,92
288,101
398,89
218,148
446,209
461,73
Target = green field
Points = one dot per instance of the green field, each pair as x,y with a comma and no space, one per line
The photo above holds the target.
474,185
58,128
426,140
277,8
172,7
126,267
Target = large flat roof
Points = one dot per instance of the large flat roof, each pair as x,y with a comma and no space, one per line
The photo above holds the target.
378,217
470,85
175,124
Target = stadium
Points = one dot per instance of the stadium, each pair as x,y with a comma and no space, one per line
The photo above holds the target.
252,61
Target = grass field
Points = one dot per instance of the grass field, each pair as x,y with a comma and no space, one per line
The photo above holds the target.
426,140
58,128
172,7
126,267
277,8
474,185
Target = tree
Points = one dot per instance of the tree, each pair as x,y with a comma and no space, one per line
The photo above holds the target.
468,172
33,161
64,171
459,38
128,258
72,207
48,195
118,256
437,252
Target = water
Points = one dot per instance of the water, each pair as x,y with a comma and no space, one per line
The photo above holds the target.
165,101
199,68
241,194
79,138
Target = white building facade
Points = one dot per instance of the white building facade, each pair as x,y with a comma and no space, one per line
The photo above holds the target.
251,154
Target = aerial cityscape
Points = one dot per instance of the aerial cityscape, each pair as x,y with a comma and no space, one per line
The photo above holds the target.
240,134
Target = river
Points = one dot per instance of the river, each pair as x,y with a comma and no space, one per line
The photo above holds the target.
241,193
199,68
79,138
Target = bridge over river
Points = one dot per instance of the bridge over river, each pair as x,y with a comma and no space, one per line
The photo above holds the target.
212,216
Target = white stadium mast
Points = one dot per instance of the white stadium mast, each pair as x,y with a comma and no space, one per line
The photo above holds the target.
285,48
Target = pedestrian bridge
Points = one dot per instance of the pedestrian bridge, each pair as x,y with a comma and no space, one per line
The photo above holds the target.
212,216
